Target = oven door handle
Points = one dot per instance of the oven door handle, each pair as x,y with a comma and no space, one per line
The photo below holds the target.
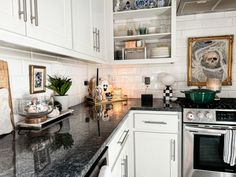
205,131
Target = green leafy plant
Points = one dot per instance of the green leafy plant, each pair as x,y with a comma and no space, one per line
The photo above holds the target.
59,84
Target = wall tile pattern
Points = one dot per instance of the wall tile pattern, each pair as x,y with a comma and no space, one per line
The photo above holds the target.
130,78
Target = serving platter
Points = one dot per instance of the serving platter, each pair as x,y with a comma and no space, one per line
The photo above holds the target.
23,125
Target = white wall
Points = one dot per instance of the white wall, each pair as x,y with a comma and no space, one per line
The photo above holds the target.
19,61
130,78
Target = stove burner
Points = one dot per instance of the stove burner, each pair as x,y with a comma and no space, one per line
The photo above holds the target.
223,103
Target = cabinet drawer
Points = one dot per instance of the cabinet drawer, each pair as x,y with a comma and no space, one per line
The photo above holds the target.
156,122
117,143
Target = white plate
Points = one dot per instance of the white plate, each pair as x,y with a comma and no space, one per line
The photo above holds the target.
160,56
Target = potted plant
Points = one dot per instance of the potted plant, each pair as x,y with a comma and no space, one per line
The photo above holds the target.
60,85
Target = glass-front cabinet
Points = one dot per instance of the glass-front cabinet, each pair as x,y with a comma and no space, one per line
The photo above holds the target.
143,31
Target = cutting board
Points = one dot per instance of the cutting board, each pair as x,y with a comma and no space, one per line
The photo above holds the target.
5,83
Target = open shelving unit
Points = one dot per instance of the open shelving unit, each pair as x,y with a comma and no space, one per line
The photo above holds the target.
145,36
149,17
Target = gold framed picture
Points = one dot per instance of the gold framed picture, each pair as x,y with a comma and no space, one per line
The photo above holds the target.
37,75
210,57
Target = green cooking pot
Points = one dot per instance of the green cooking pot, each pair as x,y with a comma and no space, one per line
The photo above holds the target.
200,96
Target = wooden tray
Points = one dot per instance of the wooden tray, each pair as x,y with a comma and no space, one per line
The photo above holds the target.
4,83
90,101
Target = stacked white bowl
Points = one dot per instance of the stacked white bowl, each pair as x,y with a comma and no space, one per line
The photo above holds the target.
160,52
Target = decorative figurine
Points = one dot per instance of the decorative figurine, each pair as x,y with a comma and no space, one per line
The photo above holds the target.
117,6
127,5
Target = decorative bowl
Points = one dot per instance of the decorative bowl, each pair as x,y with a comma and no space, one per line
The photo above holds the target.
34,107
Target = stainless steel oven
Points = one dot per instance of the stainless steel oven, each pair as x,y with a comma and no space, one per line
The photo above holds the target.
203,142
203,151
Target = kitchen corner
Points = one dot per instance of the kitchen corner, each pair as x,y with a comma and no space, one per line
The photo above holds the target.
47,153
101,88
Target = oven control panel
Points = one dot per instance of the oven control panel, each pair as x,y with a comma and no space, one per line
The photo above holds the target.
226,116
199,115
209,116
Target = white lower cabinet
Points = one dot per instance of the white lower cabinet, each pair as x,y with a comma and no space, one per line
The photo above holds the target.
155,155
121,166
147,145
120,159
156,144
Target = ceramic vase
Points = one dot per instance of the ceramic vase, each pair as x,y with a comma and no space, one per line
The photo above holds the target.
64,100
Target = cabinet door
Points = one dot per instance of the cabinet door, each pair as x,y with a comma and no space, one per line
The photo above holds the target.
9,16
155,154
121,167
83,38
98,18
52,23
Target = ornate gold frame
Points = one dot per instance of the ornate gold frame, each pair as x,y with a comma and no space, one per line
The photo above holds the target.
230,39
32,78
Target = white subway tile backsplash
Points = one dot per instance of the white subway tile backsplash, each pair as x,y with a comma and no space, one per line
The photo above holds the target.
230,14
19,61
210,16
217,23
188,24
6,53
185,18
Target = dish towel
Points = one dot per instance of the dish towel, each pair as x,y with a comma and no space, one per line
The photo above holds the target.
230,147
5,112
105,171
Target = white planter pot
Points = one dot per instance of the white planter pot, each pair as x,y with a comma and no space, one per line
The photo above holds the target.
64,100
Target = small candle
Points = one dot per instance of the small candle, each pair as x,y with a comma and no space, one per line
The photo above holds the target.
214,84
117,93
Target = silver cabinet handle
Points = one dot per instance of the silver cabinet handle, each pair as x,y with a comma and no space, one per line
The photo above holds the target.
205,131
122,140
94,38
35,17
24,11
124,163
172,142
126,166
98,35
154,122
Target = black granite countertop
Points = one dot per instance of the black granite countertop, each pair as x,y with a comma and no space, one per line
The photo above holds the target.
68,148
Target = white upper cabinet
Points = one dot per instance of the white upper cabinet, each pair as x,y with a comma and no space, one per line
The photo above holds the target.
82,26
98,9
47,21
12,15
47,25
88,27
50,21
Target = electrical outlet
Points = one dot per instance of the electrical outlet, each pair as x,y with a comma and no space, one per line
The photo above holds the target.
86,83
147,80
